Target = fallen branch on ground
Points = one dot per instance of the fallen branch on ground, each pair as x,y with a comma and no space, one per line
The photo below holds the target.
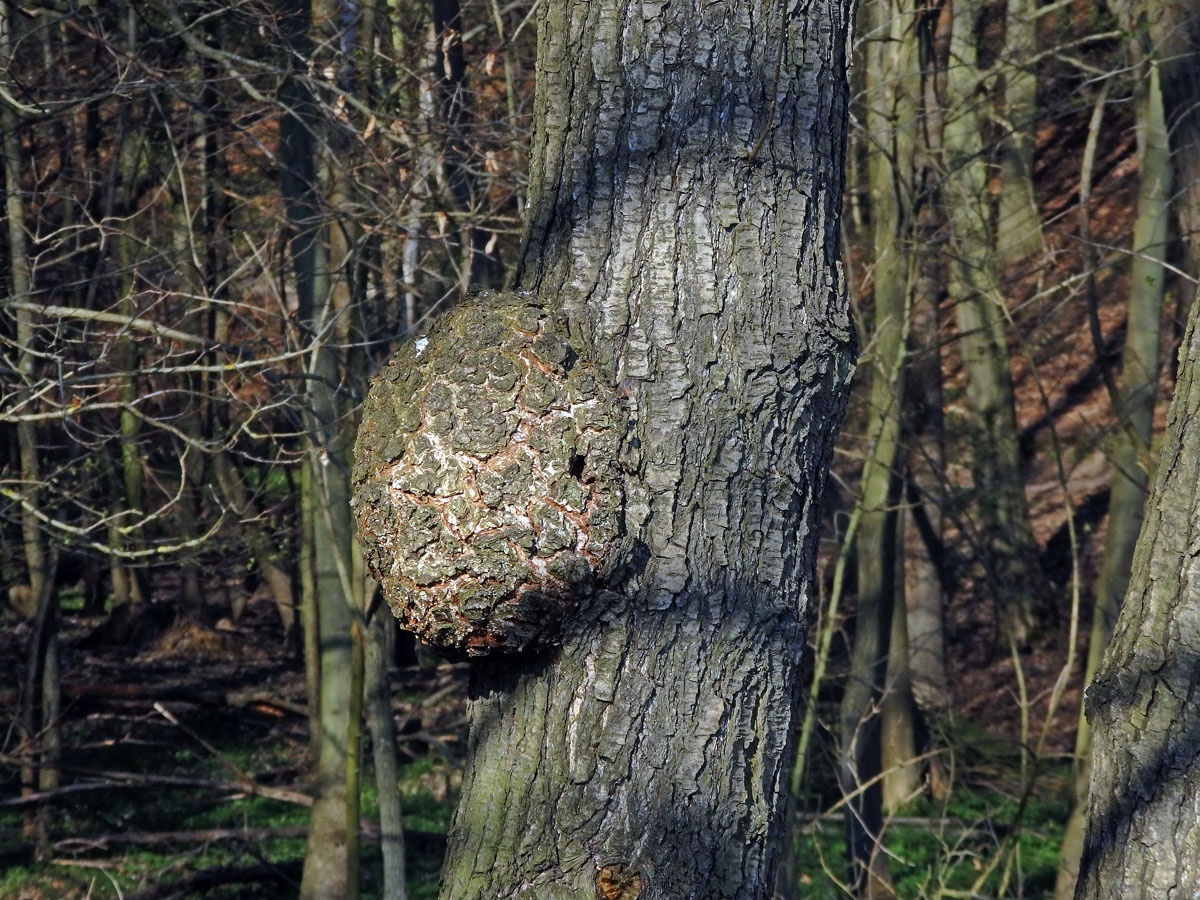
369,832
287,873
132,779
159,838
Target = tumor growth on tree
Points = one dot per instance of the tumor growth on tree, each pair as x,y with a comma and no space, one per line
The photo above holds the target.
486,486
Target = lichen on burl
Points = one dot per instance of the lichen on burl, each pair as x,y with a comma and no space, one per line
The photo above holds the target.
486,486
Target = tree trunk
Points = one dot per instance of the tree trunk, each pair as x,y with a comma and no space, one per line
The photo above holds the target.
330,862
331,856
1018,224
924,523
897,713
418,105
1143,825
21,281
891,68
1178,54
378,701
1139,381
201,250
924,436
686,184
123,172
309,615
1005,540
40,716
450,65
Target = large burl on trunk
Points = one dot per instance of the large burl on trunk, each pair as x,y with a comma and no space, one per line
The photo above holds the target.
486,482
684,199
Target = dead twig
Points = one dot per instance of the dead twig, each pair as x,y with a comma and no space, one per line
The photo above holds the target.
258,698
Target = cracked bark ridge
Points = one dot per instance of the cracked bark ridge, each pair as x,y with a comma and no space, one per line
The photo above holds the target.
487,491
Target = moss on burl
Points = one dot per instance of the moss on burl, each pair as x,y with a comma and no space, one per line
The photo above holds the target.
486,486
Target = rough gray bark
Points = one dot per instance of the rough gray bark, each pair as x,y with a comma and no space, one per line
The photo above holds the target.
1143,830
685,189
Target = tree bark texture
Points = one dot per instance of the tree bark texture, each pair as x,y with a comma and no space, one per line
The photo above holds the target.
685,190
1143,829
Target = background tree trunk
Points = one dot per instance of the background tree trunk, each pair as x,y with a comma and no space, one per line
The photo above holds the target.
41,701
1018,224
378,701
924,591
685,188
1005,533
129,581
894,77
331,858
891,68
1178,54
1135,414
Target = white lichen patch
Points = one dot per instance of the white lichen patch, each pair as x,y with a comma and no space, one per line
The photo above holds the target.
486,486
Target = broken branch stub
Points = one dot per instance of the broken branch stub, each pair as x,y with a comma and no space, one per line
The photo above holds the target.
486,484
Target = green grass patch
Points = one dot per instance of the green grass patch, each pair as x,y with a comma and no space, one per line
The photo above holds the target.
975,834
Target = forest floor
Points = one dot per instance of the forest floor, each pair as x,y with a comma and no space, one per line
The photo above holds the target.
184,768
